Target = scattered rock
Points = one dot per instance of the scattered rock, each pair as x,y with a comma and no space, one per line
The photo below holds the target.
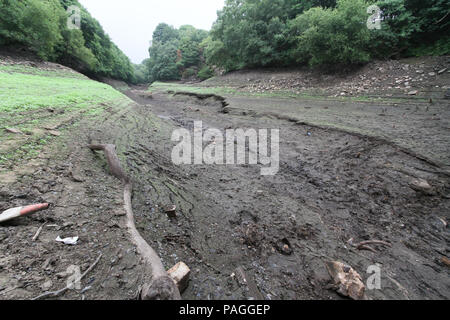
47,285
421,185
76,176
284,247
413,93
442,71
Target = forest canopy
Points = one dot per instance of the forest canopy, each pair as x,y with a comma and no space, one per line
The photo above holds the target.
41,26
258,33
246,34
177,53
281,33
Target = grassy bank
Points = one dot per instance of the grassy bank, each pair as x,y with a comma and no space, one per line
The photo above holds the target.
42,104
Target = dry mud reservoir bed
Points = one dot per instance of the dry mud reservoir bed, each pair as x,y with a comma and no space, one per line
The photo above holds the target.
243,235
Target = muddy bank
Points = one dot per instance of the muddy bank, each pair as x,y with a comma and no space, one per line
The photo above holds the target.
332,187
85,201
424,77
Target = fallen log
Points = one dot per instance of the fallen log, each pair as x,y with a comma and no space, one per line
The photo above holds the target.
161,286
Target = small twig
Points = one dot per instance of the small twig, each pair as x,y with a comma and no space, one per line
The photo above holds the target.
439,21
61,291
365,243
366,247
10,289
38,232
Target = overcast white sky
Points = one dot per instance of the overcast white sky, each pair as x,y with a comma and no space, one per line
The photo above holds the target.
130,23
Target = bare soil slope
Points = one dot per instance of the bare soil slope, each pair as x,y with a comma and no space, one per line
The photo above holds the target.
336,184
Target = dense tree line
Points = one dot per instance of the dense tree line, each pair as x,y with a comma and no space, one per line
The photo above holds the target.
177,53
254,33
246,34
263,33
41,26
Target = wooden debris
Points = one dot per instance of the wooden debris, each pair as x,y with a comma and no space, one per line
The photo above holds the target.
180,274
38,232
366,247
161,286
445,261
55,133
346,280
365,243
12,130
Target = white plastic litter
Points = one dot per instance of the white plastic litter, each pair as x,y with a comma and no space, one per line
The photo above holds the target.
71,240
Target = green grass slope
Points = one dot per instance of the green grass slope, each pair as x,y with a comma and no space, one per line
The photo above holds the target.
43,104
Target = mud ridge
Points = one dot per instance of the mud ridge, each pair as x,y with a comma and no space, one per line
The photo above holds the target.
201,96
371,138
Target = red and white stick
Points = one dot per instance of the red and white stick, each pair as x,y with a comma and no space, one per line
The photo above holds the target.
21,211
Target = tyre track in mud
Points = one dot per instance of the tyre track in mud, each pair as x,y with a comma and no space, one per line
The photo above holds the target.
332,186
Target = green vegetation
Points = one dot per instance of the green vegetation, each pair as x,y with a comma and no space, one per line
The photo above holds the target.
32,100
15,68
176,54
23,92
251,33
271,33
246,34
332,36
41,26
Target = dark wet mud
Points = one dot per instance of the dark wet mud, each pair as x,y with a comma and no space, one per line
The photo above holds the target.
333,189
243,235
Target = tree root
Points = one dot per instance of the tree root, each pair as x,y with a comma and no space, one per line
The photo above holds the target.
161,287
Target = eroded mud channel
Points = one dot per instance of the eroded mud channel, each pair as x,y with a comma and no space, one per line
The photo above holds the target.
278,231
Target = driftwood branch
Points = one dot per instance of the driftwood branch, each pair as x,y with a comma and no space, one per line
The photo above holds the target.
161,287
366,247
113,160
